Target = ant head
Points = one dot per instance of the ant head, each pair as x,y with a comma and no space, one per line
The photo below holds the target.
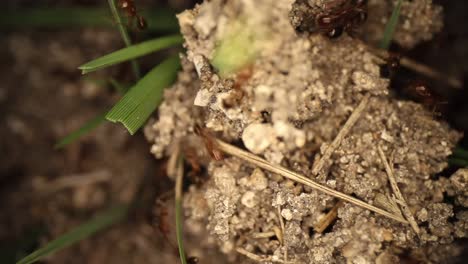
335,33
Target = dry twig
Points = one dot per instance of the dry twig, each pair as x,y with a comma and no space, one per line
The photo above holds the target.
256,160
318,166
399,197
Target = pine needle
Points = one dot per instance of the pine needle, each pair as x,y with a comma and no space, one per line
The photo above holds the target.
131,52
101,221
143,98
391,27
262,163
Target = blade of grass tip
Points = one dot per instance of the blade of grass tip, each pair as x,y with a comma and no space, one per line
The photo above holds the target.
86,128
124,34
460,153
390,27
131,52
101,221
178,212
458,162
144,97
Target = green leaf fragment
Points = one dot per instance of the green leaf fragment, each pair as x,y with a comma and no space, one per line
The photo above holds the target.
142,99
101,221
131,52
391,27
86,128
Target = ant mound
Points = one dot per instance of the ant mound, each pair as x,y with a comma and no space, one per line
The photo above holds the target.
317,106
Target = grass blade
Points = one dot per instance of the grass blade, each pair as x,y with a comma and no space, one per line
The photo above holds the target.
143,98
458,162
124,34
178,212
390,27
159,20
131,52
86,128
460,153
101,221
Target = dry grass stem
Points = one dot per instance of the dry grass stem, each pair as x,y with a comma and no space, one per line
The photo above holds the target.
264,235
279,234
328,218
281,220
399,197
318,166
257,161
250,255
172,162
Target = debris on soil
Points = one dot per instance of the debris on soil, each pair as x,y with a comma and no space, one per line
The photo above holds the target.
301,91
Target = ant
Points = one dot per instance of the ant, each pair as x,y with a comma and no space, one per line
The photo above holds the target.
242,77
128,6
421,92
390,69
346,17
336,17
210,143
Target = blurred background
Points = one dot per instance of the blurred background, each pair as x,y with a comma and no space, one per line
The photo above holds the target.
45,191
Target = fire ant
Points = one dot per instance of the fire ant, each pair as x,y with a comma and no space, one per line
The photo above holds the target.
337,16
391,67
128,6
210,143
421,92
238,93
346,17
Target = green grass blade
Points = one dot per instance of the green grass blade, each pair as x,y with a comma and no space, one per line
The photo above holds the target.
390,27
460,153
159,20
458,162
119,87
124,34
101,221
143,98
131,52
86,128
178,211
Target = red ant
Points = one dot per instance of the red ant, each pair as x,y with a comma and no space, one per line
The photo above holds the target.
421,92
238,93
346,17
128,6
210,143
336,16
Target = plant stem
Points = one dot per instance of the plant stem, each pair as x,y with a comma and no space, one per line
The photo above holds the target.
124,33
178,212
